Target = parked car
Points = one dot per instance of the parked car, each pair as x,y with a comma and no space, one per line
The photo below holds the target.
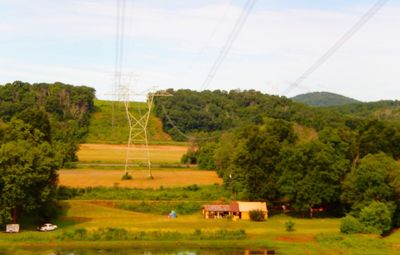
47,227
12,228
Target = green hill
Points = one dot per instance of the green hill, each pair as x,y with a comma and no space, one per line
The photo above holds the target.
388,110
199,113
323,99
102,131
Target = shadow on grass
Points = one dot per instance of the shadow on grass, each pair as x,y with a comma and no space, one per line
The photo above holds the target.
60,218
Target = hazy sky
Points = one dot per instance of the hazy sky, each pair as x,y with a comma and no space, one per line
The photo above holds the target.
173,43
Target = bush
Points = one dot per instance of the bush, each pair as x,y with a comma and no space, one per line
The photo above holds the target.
376,218
126,176
190,157
64,193
351,225
257,215
289,226
193,187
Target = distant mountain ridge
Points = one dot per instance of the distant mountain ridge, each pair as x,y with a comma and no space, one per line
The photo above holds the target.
324,99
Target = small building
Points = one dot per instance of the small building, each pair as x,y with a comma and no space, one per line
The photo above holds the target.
242,209
237,210
216,211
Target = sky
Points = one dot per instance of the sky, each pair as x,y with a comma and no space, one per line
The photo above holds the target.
174,43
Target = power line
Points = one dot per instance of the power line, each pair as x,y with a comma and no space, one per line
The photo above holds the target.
228,43
338,44
119,45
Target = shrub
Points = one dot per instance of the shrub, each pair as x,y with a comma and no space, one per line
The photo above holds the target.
350,225
70,165
376,218
190,157
257,215
64,193
289,225
193,187
126,176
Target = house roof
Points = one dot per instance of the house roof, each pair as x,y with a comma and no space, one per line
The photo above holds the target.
237,207
217,208
234,207
250,206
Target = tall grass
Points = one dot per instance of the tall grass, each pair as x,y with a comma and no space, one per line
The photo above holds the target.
120,234
189,193
102,131
354,244
161,207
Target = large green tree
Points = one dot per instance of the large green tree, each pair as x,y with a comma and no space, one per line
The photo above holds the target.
28,174
311,175
257,155
376,178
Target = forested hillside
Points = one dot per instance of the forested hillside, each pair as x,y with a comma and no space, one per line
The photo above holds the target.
59,111
208,111
191,112
323,99
340,159
41,126
382,110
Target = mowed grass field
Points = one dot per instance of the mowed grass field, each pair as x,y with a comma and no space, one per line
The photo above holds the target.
112,178
311,236
87,214
101,157
116,153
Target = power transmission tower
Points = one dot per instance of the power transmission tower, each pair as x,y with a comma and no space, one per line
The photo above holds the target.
138,147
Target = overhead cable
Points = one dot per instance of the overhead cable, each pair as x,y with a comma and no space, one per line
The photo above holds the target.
228,43
337,45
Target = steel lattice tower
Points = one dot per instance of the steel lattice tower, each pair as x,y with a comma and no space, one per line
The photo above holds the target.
138,135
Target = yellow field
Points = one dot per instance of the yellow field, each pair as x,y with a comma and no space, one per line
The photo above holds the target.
116,153
109,178
104,154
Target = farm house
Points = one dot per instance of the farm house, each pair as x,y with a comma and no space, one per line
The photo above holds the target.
216,211
242,209
238,210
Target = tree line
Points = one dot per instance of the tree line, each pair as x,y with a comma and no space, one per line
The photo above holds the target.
60,111
347,167
192,112
41,126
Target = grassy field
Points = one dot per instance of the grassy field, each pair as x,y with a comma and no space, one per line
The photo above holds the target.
102,131
162,177
116,153
139,207
306,239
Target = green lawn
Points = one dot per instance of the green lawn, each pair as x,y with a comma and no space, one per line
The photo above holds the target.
311,236
102,131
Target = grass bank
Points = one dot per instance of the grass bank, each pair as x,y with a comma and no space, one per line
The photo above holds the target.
101,129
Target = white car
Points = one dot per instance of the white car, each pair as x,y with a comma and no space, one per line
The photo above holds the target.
47,227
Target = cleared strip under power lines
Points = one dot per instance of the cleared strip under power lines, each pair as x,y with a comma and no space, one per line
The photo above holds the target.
337,45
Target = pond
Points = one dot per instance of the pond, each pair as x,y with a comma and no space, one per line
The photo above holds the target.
131,251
